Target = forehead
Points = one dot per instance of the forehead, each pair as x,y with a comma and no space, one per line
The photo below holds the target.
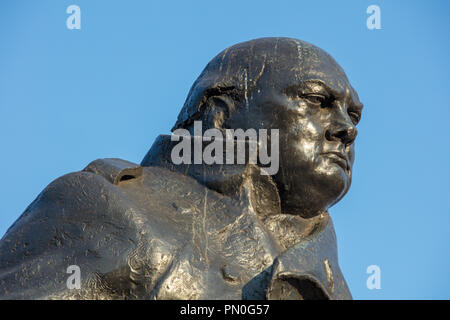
309,67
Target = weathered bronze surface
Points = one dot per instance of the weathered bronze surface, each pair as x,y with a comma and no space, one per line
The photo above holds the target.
163,231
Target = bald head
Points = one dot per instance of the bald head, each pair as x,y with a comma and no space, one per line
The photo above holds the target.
235,73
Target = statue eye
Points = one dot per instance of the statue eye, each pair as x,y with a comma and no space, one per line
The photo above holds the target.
316,98
355,116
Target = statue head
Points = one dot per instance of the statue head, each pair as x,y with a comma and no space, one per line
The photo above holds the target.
297,88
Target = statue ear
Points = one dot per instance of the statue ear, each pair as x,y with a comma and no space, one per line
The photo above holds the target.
218,108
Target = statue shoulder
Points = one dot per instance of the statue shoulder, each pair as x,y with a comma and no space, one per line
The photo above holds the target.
80,190
91,186
85,218
79,202
114,170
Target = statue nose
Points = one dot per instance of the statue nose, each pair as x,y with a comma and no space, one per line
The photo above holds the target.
345,133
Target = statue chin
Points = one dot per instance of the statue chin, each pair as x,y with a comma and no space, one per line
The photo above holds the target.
321,191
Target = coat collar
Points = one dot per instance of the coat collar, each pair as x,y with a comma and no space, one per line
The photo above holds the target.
313,257
242,181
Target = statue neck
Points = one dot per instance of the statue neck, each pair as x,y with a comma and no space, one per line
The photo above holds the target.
246,184
242,181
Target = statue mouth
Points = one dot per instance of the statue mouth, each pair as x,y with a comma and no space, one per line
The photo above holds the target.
339,159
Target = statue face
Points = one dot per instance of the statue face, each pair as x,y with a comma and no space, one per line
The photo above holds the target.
316,111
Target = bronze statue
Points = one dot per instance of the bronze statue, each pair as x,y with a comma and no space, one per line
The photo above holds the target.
165,230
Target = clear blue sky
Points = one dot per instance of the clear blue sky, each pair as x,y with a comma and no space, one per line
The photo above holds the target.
68,97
